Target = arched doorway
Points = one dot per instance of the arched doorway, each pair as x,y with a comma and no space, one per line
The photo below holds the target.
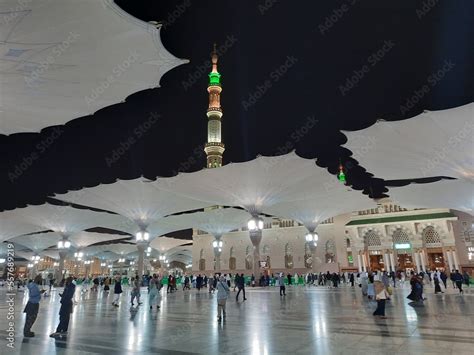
402,245
434,248
373,246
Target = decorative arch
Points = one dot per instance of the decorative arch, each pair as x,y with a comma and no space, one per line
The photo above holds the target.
372,239
330,249
400,236
288,256
202,261
266,250
431,237
232,259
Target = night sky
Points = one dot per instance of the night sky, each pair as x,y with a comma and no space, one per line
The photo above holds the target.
294,74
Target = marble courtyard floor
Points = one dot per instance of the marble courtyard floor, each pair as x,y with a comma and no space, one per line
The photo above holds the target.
309,320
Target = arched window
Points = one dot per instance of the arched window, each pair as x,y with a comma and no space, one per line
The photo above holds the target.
288,256
371,239
348,242
330,251
266,250
248,258
232,260
401,238
202,261
431,237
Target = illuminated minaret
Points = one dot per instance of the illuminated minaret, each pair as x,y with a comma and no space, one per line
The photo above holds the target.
214,147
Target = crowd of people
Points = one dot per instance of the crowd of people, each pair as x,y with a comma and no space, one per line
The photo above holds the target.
375,286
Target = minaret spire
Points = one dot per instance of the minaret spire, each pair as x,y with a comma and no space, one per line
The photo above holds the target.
214,147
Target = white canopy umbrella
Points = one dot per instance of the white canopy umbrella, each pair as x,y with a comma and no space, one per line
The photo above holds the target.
216,221
253,185
138,200
455,194
332,202
12,226
64,59
163,244
435,143
65,219
84,239
37,242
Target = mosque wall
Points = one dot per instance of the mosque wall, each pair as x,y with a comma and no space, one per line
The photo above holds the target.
387,238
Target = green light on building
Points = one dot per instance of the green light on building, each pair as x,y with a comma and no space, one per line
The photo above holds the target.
214,79
342,177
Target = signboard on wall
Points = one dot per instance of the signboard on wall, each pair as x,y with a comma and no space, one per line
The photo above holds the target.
263,264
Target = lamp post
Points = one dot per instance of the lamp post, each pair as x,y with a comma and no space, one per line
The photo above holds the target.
78,256
312,240
255,226
35,260
142,238
63,248
217,245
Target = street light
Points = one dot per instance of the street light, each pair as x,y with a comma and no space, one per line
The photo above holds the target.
161,257
64,244
87,262
30,266
312,238
255,223
217,243
142,236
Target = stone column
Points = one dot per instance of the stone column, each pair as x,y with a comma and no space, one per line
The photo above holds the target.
364,262
60,272
256,238
312,248
217,253
450,260
455,257
386,261
359,261
422,257
141,258
417,261
392,262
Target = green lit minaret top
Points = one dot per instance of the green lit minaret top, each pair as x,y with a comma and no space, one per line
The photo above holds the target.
341,176
214,76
